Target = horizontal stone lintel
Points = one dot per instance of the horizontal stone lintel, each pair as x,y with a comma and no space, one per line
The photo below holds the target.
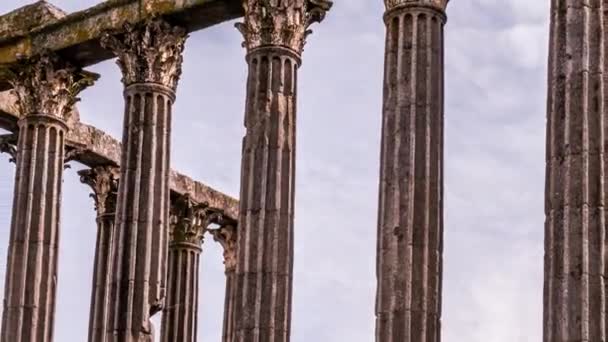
96,148
76,36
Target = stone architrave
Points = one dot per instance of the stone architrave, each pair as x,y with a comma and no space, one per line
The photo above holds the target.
189,223
410,215
47,88
275,33
227,237
575,303
103,180
150,58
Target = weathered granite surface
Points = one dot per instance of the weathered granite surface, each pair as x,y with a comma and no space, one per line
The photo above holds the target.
104,185
22,20
274,33
576,265
77,35
410,210
150,58
96,148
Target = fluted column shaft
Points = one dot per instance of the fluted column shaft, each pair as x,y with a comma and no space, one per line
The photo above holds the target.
46,88
102,274
150,59
410,218
229,299
142,212
227,237
104,183
189,222
263,292
575,237
31,282
180,316
274,36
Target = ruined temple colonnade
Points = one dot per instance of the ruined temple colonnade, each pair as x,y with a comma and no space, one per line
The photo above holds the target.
152,222
150,230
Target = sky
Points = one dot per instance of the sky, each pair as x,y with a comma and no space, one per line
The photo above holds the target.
496,53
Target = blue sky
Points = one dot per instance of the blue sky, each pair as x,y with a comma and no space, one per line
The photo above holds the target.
495,125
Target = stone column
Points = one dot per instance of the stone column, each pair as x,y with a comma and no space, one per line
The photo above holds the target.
189,222
150,57
47,88
410,216
575,301
227,237
103,180
187,229
274,33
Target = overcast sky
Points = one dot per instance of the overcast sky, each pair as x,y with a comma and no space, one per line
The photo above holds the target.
495,113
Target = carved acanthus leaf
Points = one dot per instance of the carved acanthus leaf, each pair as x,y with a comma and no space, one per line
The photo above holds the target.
190,220
438,4
148,53
283,23
47,85
8,145
104,182
226,236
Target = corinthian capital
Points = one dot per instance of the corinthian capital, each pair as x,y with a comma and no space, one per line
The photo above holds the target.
226,236
189,220
282,23
435,4
47,85
8,144
104,182
148,53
